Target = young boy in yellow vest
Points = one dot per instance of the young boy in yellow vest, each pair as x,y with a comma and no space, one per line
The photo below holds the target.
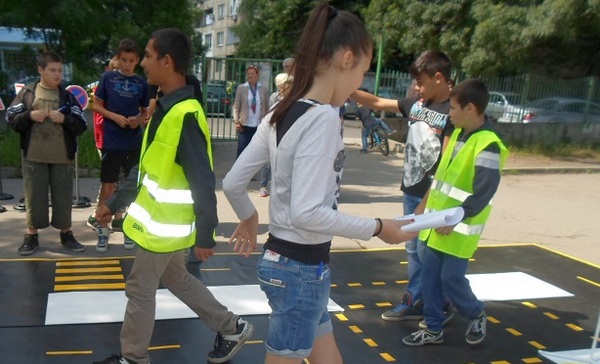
467,177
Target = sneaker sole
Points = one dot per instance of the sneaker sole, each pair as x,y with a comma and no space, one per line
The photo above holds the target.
129,246
101,249
76,250
243,339
91,226
28,252
470,342
437,342
401,318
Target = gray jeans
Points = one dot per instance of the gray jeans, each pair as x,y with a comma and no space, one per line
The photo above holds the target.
38,179
149,269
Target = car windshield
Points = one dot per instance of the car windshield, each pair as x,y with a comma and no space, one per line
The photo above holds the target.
513,99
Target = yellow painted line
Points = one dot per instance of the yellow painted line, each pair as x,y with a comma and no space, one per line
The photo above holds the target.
164,347
528,304
354,284
215,269
574,327
589,281
383,304
402,282
62,259
471,259
532,360
514,332
341,317
371,343
387,357
70,352
500,362
356,306
355,329
85,278
493,320
88,270
378,283
333,285
551,315
87,262
566,255
253,342
83,287
403,263
536,345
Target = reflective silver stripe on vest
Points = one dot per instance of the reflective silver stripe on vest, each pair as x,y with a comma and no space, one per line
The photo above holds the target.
168,196
449,190
158,228
466,229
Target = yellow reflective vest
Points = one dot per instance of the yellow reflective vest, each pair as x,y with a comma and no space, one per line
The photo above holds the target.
452,184
162,219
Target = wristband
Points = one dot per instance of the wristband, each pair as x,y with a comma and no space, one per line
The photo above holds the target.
378,231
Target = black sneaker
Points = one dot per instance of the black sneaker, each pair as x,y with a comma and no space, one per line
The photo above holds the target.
68,241
406,310
227,345
424,337
117,225
115,359
476,330
30,244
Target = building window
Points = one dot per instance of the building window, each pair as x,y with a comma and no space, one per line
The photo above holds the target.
221,11
234,8
208,41
207,18
220,39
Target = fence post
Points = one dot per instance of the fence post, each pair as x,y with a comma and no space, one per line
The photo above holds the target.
590,95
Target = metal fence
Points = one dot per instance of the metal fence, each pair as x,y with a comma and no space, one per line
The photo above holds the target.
220,78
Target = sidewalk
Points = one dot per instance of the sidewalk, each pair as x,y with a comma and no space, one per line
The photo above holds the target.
370,188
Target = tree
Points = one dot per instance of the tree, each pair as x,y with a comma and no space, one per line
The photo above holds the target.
86,32
494,37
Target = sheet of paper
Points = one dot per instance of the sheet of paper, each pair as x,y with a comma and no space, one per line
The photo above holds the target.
432,220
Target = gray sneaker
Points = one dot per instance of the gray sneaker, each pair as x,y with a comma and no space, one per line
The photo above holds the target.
448,315
128,244
227,345
476,329
103,237
424,337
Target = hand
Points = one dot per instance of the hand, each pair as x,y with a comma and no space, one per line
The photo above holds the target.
445,230
135,121
57,116
239,127
245,235
203,253
120,120
392,233
103,215
38,116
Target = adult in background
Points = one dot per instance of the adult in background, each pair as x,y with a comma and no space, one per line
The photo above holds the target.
249,108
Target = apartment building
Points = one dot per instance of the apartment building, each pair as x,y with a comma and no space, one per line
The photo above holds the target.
215,22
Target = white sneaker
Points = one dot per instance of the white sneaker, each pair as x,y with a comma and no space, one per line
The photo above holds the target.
128,244
263,192
103,237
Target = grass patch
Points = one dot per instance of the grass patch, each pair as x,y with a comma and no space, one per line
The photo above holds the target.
571,152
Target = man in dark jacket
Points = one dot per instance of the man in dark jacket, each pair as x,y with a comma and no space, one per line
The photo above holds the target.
49,119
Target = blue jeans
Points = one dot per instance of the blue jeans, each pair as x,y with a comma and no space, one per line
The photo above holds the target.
414,248
367,128
266,175
298,297
444,274
244,138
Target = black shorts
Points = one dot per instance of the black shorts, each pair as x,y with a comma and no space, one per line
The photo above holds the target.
116,161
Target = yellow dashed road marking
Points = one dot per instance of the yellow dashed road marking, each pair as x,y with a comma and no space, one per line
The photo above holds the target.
493,320
383,304
532,360
589,281
354,284
551,315
574,327
356,306
387,357
370,342
70,352
165,347
529,304
513,331
537,345
87,287
341,317
355,329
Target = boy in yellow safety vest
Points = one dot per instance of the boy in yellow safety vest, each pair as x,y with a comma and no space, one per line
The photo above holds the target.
467,177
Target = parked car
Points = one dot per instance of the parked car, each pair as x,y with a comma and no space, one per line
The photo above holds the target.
217,100
350,109
499,103
552,110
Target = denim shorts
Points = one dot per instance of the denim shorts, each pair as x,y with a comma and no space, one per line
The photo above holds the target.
298,294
